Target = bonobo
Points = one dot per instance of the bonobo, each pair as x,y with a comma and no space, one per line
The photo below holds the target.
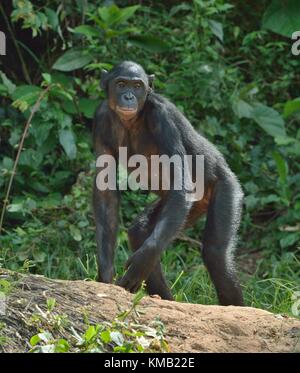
145,123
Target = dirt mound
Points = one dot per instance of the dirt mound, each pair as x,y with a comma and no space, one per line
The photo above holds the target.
189,327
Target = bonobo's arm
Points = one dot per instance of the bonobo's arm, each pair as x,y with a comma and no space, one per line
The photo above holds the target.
106,207
173,214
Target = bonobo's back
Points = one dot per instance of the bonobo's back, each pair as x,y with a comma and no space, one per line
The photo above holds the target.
194,143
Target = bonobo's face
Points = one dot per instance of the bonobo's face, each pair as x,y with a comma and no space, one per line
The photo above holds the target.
127,96
127,87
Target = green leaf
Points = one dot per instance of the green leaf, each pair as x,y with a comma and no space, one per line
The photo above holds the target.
69,107
39,256
150,43
242,109
9,85
282,167
47,78
87,30
15,207
62,346
7,163
216,29
113,15
34,340
51,304
41,131
88,107
285,140
282,17
105,336
177,8
269,120
90,333
289,239
67,141
52,18
31,158
291,107
75,233
25,96
72,59
271,198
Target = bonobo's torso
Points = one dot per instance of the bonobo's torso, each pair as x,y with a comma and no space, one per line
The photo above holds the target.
139,137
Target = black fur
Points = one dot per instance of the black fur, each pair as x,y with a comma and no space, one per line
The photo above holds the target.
158,127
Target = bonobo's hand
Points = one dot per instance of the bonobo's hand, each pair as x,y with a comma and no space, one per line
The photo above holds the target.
139,266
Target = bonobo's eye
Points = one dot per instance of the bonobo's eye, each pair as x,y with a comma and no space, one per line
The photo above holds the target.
120,84
137,85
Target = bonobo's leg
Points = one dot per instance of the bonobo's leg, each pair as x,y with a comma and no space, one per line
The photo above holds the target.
137,234
106,212
223,218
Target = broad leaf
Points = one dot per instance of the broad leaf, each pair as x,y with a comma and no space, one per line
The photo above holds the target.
52,18
282,167
72,59
75,233
90,333
216,29
27,94
150,43
88,106
242,109
34,340
87,30
269,119
67,141
113,15
291,107
62,346
8,84
282,17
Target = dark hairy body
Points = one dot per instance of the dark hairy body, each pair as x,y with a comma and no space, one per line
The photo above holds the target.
149,124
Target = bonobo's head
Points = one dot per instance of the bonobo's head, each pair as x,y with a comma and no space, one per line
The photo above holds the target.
127,86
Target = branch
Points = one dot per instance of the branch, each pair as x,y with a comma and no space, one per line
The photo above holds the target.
24,67
33,111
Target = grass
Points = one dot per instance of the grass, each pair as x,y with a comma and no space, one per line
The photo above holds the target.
60,244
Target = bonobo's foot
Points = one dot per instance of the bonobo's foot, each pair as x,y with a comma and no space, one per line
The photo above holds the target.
106,276
233,297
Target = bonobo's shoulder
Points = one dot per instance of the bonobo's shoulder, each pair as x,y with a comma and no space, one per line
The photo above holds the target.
158,111
101,120
159,104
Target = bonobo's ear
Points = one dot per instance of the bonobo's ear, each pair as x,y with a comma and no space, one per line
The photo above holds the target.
103,81
150,80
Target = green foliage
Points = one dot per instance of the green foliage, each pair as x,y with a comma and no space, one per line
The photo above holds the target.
236,81
282,17
33,18
73,59
122,335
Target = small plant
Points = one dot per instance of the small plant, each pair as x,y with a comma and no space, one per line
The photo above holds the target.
48,320
4,340
120,335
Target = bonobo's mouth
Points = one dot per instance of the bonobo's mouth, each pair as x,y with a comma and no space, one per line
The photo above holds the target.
126,111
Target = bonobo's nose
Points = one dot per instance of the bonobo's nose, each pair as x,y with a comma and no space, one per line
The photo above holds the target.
128,96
